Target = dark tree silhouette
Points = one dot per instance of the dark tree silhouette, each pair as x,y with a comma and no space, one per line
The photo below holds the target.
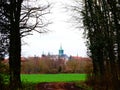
15,44
101,23
19,16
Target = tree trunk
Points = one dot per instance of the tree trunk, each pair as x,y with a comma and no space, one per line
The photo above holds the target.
14,57
15,45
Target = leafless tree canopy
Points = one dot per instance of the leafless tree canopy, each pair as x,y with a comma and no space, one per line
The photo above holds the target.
33,17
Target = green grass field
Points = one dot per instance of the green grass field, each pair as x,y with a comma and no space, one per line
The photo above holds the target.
37,78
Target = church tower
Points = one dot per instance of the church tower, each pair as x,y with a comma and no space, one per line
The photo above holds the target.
61,51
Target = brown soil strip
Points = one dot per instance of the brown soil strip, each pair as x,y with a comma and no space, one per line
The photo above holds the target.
57,86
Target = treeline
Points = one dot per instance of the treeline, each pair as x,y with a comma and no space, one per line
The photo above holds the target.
101,19
38,65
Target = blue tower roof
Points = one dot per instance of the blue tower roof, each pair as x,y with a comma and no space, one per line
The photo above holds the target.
61,51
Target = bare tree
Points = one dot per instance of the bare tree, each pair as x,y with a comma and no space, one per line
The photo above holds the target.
33,17
22,20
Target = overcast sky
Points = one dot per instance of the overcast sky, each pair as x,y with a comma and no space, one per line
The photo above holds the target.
61,33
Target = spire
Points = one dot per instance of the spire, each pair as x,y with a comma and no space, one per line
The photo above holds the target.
61,47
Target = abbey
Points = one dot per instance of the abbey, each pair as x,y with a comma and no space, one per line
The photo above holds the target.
60,55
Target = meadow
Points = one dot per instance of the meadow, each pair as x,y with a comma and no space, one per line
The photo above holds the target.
37,78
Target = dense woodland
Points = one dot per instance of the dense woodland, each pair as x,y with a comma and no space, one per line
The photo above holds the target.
101,24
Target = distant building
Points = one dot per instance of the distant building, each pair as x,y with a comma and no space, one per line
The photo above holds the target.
63,56
61,51
60,55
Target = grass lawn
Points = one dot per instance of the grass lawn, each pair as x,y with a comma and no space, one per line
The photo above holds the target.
37,78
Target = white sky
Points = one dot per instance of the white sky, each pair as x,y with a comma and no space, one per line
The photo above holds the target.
62,33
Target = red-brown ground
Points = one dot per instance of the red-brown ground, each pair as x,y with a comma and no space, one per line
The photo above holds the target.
57,86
